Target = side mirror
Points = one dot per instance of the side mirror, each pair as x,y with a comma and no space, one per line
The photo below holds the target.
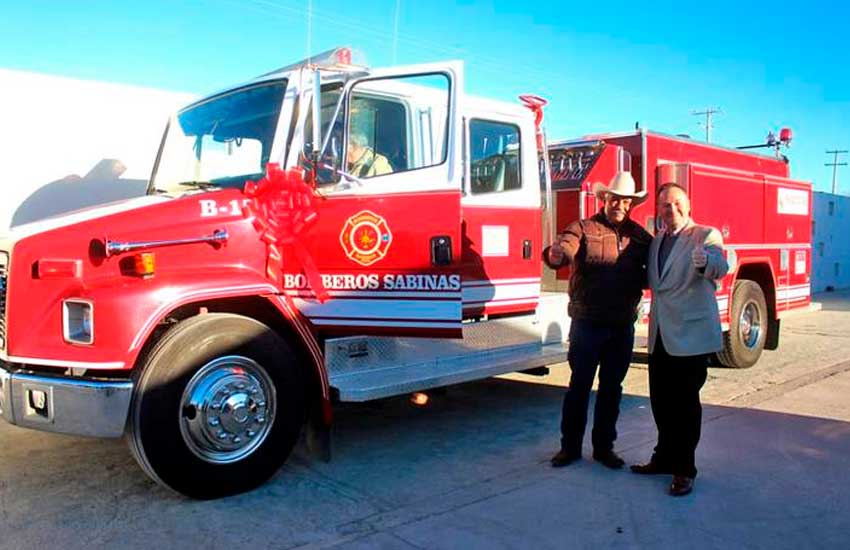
329,163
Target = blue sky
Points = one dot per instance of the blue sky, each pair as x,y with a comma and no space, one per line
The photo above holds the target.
602,66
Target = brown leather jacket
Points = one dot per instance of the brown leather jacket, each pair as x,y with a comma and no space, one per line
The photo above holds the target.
609,268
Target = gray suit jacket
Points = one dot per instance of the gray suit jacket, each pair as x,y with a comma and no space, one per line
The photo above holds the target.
684,307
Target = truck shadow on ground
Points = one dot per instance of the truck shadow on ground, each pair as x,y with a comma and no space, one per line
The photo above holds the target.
477,452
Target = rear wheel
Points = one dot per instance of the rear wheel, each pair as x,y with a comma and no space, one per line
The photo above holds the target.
218,406
748,323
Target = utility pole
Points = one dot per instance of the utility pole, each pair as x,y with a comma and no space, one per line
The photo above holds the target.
707,113
835,164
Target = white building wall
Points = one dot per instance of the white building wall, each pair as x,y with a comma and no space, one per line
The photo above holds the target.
830,242
53,127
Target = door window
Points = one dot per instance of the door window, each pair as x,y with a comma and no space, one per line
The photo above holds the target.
494,157
397,125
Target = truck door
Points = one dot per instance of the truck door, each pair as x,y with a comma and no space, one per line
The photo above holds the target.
387,240
502,232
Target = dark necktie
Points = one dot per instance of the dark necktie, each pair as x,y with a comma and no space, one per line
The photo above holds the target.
667,245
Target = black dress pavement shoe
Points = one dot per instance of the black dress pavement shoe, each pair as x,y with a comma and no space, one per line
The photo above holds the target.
564,458
681,486
609,459
650,468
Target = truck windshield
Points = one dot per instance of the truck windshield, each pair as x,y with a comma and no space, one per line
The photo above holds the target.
220,142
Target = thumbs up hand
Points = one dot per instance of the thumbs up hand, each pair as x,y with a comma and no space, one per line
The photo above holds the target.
556,254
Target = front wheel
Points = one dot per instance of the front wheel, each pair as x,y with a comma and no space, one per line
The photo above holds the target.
748,323
218,406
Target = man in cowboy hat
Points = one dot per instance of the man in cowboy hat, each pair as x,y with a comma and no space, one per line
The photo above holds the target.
608,255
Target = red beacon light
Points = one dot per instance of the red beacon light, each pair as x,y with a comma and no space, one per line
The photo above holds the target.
343,56
774,141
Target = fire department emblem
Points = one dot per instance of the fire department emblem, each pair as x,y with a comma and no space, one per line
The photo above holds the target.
365,237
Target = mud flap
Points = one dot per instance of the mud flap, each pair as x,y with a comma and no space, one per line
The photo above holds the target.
317,435
772,340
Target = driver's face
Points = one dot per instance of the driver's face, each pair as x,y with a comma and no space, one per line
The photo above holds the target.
353,153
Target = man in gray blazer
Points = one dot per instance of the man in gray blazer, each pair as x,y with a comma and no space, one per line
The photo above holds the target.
685,261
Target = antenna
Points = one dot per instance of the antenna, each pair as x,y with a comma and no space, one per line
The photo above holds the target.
309,29
395,30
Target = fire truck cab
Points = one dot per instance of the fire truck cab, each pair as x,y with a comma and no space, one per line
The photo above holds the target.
160,317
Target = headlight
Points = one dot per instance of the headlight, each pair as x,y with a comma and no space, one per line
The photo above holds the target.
78,321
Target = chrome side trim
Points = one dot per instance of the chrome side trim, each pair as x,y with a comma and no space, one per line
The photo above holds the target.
77,406
4,284
110,365
115,247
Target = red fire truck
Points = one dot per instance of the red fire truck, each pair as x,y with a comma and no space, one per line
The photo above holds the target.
388,241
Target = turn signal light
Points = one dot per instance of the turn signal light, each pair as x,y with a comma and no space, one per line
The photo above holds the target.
145,264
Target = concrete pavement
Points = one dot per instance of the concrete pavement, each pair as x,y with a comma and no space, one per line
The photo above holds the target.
471,471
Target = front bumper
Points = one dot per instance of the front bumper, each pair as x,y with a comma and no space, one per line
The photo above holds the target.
78,406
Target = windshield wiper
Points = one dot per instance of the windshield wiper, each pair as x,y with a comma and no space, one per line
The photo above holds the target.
198,184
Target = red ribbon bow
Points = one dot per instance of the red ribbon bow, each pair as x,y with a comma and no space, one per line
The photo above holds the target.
283,207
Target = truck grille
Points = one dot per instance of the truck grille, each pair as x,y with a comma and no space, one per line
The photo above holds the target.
4,264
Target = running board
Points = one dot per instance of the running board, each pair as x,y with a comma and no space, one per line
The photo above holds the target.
385,382
363,368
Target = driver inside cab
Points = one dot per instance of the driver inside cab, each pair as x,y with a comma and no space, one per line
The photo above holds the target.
363,162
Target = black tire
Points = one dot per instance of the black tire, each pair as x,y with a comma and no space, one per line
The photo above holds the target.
748,325
237,364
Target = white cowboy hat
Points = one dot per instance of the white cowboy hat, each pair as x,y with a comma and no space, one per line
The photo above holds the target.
622,185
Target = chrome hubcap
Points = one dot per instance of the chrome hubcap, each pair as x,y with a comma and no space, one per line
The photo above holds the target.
227,409
749,325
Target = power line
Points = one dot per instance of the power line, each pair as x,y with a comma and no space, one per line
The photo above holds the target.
357,26
835,164
708,125
379,35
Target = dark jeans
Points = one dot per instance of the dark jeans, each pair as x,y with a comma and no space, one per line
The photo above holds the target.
610,347
674,385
